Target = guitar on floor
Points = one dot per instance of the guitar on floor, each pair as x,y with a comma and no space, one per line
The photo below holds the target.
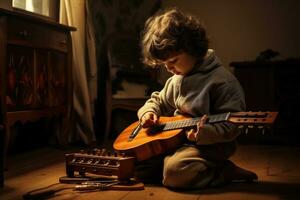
168,134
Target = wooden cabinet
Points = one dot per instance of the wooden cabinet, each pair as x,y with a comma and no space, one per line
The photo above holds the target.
274,86
35,69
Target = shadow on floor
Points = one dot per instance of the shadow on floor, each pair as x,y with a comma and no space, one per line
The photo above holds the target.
285,191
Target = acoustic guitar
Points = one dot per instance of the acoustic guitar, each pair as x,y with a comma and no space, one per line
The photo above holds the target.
168,134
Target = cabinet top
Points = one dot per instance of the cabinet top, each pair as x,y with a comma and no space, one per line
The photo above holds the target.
5,12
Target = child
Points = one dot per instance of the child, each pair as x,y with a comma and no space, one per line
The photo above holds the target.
200,86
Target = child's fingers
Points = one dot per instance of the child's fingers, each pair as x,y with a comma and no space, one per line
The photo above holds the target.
202,121
149,119
190,134
154,117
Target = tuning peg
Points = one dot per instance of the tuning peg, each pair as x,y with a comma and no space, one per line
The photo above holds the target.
103,152
98,152
246,130
95,151
241,126
250,126
90,161
263,131
106,162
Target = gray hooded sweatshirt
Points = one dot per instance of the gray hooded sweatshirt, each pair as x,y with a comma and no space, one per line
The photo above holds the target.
208,89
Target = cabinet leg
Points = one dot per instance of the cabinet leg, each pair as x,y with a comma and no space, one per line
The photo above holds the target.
5,143
2,146
6,146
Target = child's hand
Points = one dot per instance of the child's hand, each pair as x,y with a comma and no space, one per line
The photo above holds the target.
148,119
192,134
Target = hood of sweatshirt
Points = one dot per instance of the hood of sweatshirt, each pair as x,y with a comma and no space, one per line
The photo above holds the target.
209,63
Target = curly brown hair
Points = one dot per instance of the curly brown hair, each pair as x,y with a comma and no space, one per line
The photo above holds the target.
171,31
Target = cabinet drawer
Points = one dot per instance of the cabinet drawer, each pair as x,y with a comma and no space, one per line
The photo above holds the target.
35,35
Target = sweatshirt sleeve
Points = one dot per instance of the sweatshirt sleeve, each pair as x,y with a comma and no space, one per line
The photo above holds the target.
161,103
228,97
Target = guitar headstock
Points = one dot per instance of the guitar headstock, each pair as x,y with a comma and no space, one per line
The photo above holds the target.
253,118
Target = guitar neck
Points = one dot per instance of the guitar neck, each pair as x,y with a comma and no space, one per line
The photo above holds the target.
187,123
242,118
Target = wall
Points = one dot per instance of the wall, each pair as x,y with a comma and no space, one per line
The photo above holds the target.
111,17
240,29
6,4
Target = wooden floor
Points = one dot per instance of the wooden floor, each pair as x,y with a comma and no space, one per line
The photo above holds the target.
278,168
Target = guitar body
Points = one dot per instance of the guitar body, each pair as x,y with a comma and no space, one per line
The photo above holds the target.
145,144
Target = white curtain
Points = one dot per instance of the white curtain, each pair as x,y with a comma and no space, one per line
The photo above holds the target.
73,13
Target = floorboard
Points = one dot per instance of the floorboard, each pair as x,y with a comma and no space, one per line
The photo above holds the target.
276,166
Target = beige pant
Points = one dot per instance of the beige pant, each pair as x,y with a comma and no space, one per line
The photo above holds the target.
192,167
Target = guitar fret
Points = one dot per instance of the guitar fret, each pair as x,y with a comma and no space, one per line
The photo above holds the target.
170,126
181,124
166,127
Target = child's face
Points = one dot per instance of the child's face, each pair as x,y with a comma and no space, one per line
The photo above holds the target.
180,63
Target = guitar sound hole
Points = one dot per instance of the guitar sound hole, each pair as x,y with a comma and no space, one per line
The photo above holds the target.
155,129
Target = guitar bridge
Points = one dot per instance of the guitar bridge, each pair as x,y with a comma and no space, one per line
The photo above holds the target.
135,132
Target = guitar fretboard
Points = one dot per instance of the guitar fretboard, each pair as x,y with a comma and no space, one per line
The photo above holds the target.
189,122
